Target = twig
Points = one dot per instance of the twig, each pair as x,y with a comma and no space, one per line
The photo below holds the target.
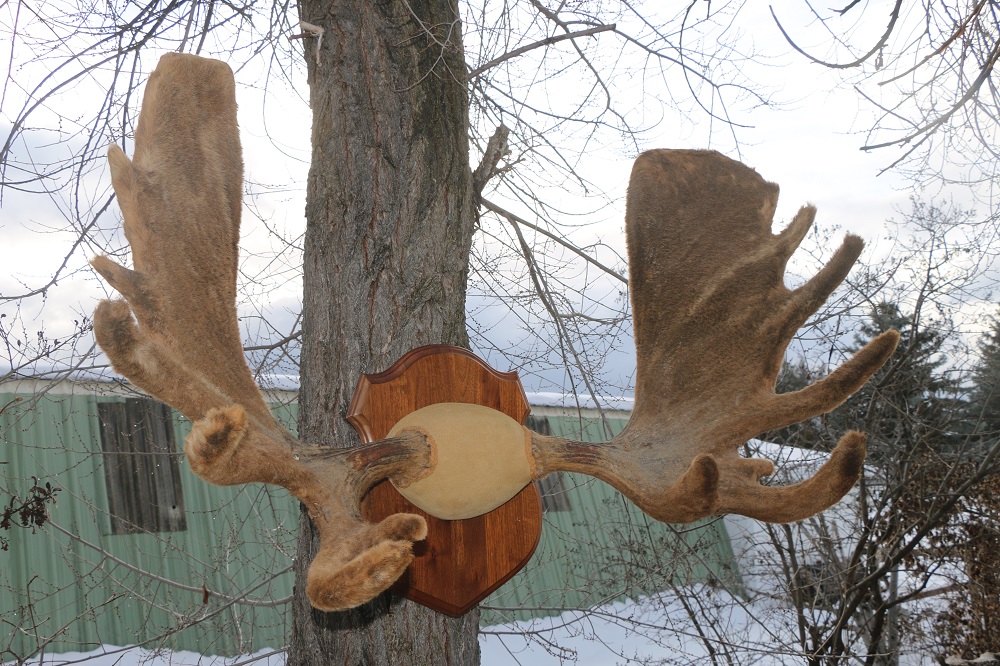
893,17
496,148
239,599
310,30
511,217
543,42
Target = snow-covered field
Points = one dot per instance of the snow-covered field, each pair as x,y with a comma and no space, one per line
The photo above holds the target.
661,630
653,630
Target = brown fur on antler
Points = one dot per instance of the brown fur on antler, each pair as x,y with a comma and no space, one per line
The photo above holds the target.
181,198
712,321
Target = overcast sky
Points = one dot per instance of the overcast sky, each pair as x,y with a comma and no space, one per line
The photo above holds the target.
809,145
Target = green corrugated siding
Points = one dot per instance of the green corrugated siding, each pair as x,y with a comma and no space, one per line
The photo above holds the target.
605,549
53,587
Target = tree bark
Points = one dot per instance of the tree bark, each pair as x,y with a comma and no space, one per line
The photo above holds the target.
390,213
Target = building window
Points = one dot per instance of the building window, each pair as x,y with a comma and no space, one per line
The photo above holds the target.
140,467
552,487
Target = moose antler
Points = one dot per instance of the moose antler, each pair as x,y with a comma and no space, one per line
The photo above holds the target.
712,321
181,197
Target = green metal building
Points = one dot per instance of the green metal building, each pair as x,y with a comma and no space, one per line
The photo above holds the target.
139,551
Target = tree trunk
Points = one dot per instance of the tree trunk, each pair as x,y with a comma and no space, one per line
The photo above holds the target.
390,213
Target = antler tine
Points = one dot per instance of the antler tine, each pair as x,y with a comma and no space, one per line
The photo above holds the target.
181,198
712,321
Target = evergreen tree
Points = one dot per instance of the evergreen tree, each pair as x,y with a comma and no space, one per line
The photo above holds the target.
794,376
902,406
984,398
971,623
906,406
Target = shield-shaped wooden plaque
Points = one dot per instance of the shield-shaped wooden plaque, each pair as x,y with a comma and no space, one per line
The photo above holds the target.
461,561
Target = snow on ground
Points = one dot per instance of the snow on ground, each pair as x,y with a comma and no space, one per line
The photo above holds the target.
113,655
652,630
660,630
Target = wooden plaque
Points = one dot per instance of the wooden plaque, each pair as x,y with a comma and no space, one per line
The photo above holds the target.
461,561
